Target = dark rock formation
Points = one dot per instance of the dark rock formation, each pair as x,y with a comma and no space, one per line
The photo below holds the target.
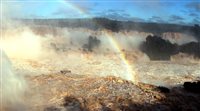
192,48
158,49
163,89
192,86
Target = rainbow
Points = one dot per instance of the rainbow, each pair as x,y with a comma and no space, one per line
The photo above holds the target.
130,74
74,7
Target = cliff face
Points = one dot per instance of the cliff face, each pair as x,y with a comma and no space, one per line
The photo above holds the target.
178,38
116,26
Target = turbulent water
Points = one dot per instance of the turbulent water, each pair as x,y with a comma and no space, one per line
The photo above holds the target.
32,54
35,52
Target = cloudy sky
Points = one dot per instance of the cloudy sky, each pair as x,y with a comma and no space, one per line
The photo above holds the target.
161,11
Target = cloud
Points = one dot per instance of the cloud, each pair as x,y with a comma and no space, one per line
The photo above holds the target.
182,23
194,6
114,14
195,21
193,14
156,19
117,10
137,19
176,18
118,15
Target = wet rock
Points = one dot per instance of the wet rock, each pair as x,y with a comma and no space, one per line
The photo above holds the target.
158,49
158,97
163,89
192,48
52,108
86,94
65,71
72,104
192,86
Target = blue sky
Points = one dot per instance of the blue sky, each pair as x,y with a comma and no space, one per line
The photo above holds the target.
161,11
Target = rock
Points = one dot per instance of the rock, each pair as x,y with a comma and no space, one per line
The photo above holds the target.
65,71
52,108
158,49
192,48
192,86
73,104
158,97
163,89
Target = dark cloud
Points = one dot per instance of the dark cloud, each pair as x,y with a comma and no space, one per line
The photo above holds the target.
114,14
136,19
119,16
193,14
194,6
184,11
182,23
176,18
195,21
155,17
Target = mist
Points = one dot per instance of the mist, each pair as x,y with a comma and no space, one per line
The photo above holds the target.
89,55
42,50
12,86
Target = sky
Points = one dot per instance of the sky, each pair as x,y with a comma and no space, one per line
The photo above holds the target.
160,11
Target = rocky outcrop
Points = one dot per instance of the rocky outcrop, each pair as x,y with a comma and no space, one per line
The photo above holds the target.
107,94
192,48
192,86
159,49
